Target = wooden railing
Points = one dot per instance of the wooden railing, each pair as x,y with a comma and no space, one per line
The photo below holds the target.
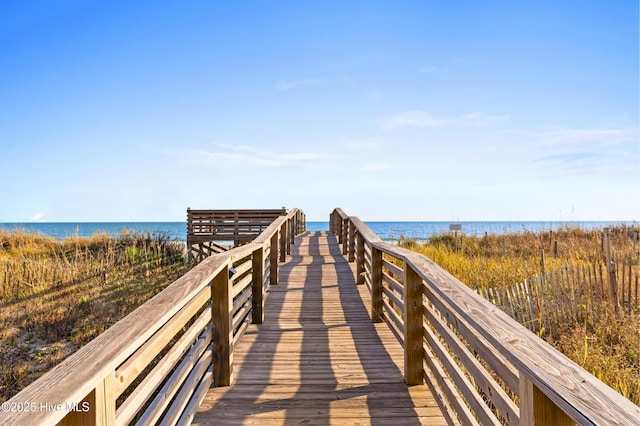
204,227
157,363
484,367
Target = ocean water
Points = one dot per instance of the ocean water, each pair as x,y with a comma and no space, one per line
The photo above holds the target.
389,231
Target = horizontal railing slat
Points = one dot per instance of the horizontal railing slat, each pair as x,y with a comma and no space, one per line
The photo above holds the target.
393,297
241,328
240,315
503,403
131,368
189,386
168,391
394,269
242,300
241,286
466,388
392,316
196,399
144,391
498,363
393,283
398,333
448,388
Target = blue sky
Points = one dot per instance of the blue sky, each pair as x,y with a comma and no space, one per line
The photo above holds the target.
411,110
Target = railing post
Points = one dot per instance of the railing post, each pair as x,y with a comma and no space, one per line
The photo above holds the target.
413,327
537,409
257,284
352,242
345,235
283,242
376,285
360,259
333,224
222,303
290,235
273,259
97,408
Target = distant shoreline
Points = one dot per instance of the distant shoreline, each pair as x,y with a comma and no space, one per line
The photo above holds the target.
387,230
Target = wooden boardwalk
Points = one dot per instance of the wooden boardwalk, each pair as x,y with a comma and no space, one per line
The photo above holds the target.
318,358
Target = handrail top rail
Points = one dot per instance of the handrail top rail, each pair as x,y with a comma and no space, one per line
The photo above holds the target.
82,370
265,235
578,393
232,211
365,231
340,212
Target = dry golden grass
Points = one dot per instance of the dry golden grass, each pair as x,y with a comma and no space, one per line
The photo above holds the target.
607,344
57,296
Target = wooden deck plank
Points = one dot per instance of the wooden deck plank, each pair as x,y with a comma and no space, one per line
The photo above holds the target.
318,358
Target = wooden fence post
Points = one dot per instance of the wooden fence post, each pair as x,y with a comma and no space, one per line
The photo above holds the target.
273,259
294,227
413,327
283,242
360,259
222,303
376,285
345,236
301,224
97,408
290,235
537,409
611,269
352,245
257,284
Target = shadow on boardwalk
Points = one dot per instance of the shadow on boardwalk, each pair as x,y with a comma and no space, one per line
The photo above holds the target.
317,358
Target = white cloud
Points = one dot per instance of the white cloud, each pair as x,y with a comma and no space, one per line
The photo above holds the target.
416,118
586,138
246,155
39,217
588,150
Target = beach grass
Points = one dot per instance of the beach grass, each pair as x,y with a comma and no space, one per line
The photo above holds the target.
55,296
606,343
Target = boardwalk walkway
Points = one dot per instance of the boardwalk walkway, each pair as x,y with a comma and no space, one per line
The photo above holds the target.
318,358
